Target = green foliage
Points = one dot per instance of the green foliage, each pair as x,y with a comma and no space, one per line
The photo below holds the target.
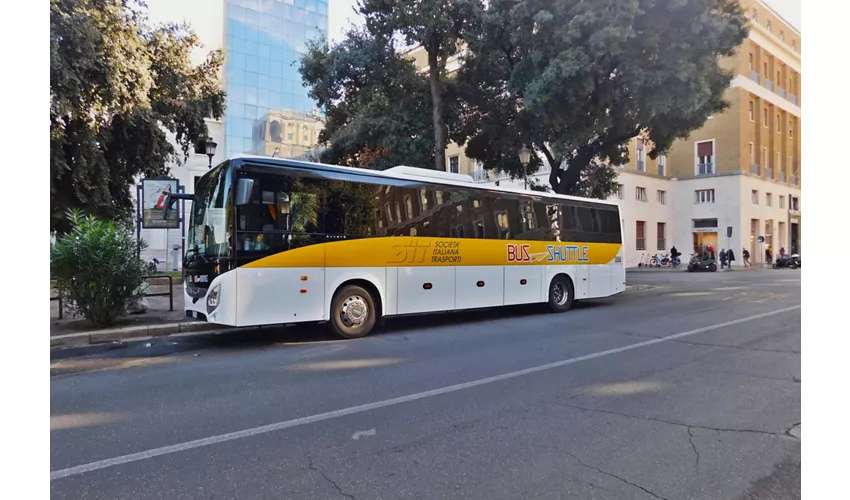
117,87
438,26
374,102
579,79
97,269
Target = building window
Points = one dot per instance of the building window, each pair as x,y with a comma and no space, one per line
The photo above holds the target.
764,157
764,117
766,75
768,25
781,202
768,199
778,161
752,111
201,147
779,79
290,136
778,124
640,194
790,129
662,240
640,235
752,62
306,138
751,149
755,196
620,192
781,35
705,158
662,197
454,164
794,45
703,196
641,154
662,165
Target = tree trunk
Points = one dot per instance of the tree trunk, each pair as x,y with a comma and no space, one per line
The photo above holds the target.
437,109
563,181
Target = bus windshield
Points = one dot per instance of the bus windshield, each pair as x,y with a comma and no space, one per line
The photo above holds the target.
209,228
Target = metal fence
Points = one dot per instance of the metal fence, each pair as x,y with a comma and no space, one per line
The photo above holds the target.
169,294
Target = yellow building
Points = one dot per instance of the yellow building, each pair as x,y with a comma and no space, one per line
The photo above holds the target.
289,133
742,168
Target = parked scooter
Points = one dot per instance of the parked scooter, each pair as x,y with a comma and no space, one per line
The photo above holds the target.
153,266
786,261
698,263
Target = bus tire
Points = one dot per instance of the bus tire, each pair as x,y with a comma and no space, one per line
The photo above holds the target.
353,312
561,294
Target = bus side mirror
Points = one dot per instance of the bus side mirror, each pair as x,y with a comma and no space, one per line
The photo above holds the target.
170,198
244,188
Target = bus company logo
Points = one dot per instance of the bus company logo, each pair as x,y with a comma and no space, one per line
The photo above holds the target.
410,252
518,253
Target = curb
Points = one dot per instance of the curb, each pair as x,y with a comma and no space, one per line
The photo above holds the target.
635,288
116,336
130,332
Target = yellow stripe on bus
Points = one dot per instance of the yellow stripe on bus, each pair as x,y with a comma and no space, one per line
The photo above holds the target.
400,251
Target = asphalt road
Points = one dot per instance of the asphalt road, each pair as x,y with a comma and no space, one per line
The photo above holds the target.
597,403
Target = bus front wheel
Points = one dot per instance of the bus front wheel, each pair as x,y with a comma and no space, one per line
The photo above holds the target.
560,294
353,312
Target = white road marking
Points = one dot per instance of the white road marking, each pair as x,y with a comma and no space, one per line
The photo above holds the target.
729,288
230,436
356,435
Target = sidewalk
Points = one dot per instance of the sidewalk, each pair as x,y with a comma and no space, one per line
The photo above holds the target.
684,267
157,321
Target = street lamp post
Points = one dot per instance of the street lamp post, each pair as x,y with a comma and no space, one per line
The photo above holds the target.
210,146
525,158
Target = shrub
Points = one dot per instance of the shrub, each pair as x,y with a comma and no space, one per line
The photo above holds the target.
97,268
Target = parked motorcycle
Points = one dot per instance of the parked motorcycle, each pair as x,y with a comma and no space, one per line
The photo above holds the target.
786,261
698,263
153,266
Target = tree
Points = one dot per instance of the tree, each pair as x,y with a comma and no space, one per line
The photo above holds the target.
375,103
438,26
577,80
117,87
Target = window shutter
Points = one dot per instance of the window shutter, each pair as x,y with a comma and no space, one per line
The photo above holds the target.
705,149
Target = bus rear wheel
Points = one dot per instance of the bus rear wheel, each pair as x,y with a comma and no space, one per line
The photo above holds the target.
353,312
560,294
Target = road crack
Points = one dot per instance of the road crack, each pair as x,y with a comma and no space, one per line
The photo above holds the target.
678,424
606,473
693,445
311,466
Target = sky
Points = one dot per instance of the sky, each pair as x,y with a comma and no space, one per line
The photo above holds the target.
341,15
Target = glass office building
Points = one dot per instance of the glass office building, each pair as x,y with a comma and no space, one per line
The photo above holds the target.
268,110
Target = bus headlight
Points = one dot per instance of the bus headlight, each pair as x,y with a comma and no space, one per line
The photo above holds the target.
212,298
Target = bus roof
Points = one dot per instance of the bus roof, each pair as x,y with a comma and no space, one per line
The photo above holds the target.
409,173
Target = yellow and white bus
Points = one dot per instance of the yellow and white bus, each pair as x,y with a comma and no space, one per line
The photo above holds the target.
277,241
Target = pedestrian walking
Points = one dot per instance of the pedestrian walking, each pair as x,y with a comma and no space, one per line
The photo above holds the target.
768,255
722,258
730,257
746,255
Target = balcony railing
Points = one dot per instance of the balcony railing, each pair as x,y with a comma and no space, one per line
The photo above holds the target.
754,169
754,76
705,168
768,84
768,173
641,165
794,180
782,177
793,99
781,92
